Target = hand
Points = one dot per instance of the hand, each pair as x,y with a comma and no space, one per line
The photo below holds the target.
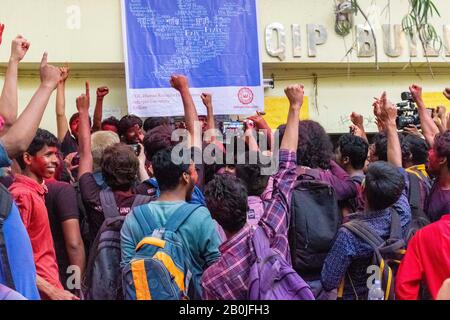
441,113
50,75
179,82
83,101
259,121
356,131
69,160
65,72
207,100
2,28
357,119
446,91
416,92
19,48
388,113
141,155
139,133
249,125
102,92
295,94
58,294
413,130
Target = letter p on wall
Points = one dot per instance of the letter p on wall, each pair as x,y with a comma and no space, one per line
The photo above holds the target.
73,21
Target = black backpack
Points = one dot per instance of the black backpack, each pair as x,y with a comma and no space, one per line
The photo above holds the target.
5,208
314,223
418,217
387,254
103,279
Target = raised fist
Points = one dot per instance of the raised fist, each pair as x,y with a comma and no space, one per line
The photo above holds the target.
179,82
207,100
416,92
19,48
102,92
295,93
65,72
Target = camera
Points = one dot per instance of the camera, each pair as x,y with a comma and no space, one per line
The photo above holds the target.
407,112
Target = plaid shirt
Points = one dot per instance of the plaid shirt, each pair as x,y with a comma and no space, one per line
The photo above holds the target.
227,279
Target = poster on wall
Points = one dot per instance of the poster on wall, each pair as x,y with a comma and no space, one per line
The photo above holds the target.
214,43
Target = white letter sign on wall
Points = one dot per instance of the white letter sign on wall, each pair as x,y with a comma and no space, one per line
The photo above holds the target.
317,35
278,50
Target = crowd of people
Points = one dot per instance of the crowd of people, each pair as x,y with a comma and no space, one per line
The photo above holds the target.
103,210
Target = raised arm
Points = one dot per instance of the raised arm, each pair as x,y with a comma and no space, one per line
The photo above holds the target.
388,116
262,125
295,94
181,84
8,99
211,121
61,119
429,128
358,123
19,137
102,92
84,134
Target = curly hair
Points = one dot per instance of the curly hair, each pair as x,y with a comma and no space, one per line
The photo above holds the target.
355,148
442,146
226,199
120,167
315,149
381,145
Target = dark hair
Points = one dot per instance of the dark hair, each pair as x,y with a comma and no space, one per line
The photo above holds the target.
167,173
75,116
226,199
442,146
384,185
151,123
111,121
41,139
120,167
315,149
157,139
415,149
355,148
128,122
251,175
381,145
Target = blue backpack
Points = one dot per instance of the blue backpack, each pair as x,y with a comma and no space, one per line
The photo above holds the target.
160,268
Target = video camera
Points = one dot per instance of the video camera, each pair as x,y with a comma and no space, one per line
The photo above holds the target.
407,111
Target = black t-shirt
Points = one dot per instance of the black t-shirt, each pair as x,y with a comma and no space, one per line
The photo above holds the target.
69,144
90,193
62,205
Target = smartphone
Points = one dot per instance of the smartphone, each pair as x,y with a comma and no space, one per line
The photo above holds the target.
233,128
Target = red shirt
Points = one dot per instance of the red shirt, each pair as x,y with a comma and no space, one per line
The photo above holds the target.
427,259
29,197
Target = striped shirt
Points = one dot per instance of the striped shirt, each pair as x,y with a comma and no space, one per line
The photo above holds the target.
227,279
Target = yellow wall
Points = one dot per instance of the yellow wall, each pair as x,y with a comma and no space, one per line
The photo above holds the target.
95,53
